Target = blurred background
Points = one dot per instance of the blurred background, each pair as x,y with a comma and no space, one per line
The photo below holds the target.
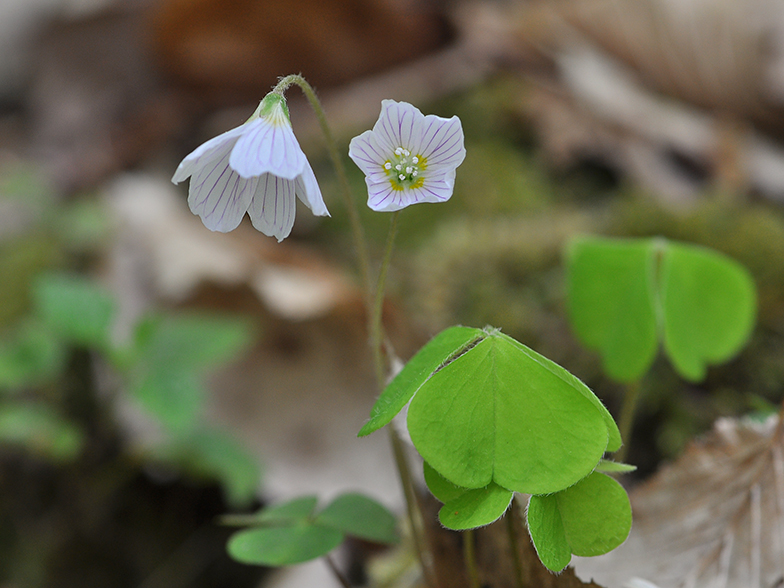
154,375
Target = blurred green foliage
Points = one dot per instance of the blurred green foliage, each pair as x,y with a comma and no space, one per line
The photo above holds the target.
50,312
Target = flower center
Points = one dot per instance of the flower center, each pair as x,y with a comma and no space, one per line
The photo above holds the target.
404,170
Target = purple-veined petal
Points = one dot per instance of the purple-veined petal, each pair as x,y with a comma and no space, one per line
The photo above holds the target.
267,147
370,155
218,194
400,125
205,152
441,143
308,190
382,197
273,206
432,190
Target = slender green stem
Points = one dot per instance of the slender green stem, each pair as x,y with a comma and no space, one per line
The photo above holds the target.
626,419
373,301
412,504
357,230
398,449
337,573
469,555
376,316
511,533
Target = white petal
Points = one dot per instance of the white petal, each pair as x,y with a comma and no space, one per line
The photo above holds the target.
273,206
370,155
218,194
442,143
400,124
205,152
432,190
267,147
308,190
382,197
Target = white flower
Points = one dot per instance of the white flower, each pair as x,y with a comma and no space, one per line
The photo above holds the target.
256,168
408,157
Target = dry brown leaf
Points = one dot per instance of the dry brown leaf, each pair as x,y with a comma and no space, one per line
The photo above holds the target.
714,518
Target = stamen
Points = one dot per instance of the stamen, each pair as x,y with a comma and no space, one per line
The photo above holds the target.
387,165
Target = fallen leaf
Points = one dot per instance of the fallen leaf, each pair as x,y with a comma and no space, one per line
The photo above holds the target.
713,518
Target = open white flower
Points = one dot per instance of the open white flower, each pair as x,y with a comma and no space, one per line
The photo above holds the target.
256,168
408,157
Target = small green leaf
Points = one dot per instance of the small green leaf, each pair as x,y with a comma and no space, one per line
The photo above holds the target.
439,486
501,412
611,300
596,515
547,532
607,465
418,369
194,342
34,354
627,295
216,455
298,509
475,508
709,304
614,442
286,513
40,430
360,516
284,545
75,308
173,396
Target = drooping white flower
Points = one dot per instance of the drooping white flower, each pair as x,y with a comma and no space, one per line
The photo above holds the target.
408,157
256,168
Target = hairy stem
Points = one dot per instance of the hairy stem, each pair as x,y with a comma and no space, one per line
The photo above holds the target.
469,555
357,230
336,572
374,302
511,533
628,408
377,310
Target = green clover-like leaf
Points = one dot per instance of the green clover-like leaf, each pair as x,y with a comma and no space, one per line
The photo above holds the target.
626,295
361,517
75,308
475,508
419,368
500,412
590,518
283,545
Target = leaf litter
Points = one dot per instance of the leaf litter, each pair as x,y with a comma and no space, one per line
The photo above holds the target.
714,518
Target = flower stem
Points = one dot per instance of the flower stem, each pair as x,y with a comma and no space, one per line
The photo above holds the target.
413,511
626,418
511,533
374,303
398,449
357,231
469,555
336,572
377,310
